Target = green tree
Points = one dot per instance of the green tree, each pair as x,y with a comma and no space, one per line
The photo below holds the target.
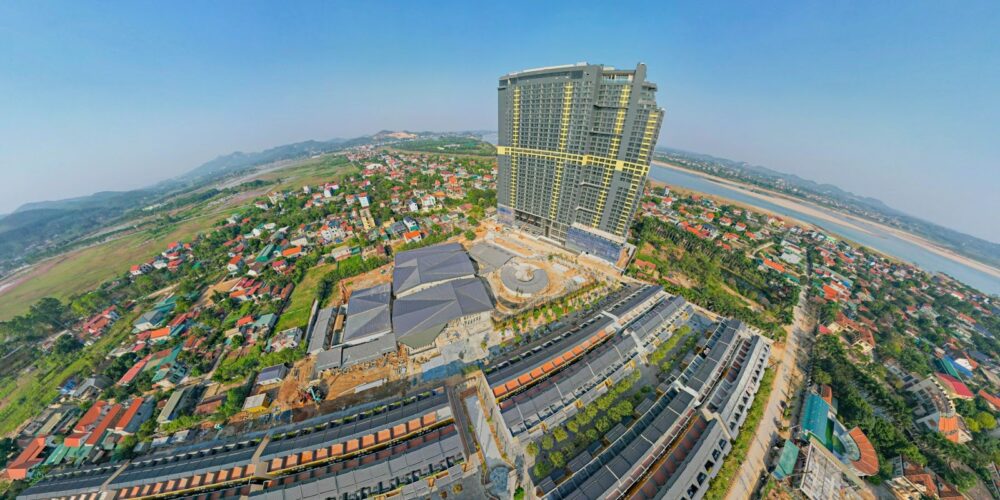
7,449
542,468
986,420
547,443
560,435
126,448
603,424
66,344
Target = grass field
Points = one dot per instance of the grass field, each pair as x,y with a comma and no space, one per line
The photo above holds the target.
311,172
449,146
300,304
81,270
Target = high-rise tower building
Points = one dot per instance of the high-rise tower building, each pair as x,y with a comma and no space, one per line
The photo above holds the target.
575,144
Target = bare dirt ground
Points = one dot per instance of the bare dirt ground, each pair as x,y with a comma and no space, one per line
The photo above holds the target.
162,292
289,394
558,273
753,305
371,278
337,386
222,286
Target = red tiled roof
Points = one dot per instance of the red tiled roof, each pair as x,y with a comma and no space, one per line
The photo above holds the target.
90,417
245,320
180,319
923,478
130,375
949,427
947,490
865,335
106,422
957,386
827,393
75,440
159,333
991,399
158,355
129,414
867,465
19,467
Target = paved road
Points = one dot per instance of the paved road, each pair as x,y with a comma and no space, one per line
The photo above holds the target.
749,474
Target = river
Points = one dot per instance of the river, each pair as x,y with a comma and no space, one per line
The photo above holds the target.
884,242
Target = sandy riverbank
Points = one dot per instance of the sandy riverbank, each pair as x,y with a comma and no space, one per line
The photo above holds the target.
849,220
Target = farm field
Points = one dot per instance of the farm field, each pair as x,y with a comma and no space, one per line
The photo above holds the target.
310,172
83,269
80,270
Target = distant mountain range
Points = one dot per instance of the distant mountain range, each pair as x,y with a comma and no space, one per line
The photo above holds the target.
41,228
835,197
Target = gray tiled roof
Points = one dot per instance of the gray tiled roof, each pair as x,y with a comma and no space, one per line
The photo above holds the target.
418,318
429,264
368,313
317,339
329,359
489,256
369,351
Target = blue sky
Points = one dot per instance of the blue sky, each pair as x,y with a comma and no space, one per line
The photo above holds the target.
896,100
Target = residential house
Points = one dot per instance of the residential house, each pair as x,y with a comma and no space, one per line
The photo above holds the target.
149,320
272,375
140,269
935,410
954,388
235,264
137,412
19,468
286,339
91,387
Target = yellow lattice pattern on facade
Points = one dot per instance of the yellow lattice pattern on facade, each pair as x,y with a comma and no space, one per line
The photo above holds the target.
567,107
616,141
515,140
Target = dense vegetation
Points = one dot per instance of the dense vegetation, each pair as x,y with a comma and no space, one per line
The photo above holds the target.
714,270
886,418
587,426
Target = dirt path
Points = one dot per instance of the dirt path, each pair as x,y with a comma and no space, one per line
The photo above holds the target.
753,465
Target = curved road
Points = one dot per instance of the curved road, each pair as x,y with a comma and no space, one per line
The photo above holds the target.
750,471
